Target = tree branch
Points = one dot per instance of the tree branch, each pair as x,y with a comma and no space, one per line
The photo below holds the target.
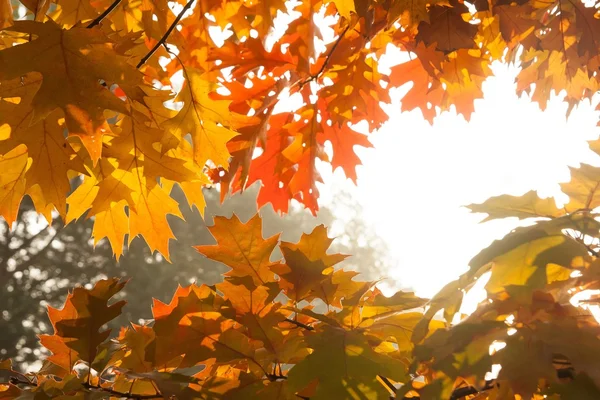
122,394
327,57
104,14
274,377
166,35
300,324
562,373
388,383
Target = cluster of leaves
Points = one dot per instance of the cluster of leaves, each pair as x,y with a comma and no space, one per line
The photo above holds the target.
38,265
265,87
298,327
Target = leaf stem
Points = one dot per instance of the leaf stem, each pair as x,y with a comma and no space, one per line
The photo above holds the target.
166,35
104,14
299,324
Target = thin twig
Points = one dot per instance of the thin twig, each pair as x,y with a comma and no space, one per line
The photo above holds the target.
104,14
163,39
300,324
122,394
274,377
388,383
322,69
16,380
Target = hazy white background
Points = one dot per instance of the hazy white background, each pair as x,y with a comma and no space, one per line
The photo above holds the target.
415,181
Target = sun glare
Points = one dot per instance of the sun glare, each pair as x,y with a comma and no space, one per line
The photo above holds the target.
413,184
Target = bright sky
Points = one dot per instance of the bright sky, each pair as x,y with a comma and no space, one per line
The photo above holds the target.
413,184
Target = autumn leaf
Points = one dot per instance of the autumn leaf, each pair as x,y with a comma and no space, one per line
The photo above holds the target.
343,363
12,182
307,271
581,189
148,217
6,14
241,247
529,205
52,157
75,60
447,28
234,93
77,325
528,263
204,119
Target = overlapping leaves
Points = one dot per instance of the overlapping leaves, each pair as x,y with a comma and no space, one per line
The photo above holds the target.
119,139
251,333
302,327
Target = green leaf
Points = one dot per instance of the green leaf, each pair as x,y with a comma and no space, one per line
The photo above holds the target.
345,367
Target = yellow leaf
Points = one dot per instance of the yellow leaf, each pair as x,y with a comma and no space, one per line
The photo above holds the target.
583,187
526,265
345,8
204,118
149,217
241,247
6,14
52,156
112,224
12,182
74,63
82,198
69,12
530,205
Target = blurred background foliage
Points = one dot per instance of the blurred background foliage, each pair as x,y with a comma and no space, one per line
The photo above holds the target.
40,262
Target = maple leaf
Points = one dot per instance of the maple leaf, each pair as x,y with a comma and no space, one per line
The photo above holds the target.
134,151
249,56
516,24
69,12
529,205
303,152
262,318
132,355
204,119
526,264
582,187
74,62
307,271
301,39
12,182
447,28
358,91
241,247
343,139
342,363
148,217
423,72
410,13
300,277
77,325
314,246
52,157
203,332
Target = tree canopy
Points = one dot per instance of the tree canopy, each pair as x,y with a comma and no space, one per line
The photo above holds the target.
258,102
105,106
